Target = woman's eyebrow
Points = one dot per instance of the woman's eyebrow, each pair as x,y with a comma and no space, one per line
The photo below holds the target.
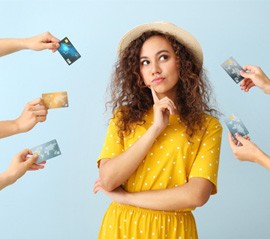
159,52
162,51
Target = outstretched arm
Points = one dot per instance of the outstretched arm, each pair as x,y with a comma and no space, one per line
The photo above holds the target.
33,112
255,77
41,42
245,150
18,167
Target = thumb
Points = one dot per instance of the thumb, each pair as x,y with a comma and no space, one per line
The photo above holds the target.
51,45
245,74
241,139
35,101
31,160
231,141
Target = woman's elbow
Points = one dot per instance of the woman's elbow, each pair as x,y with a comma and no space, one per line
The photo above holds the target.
200,199
107,183
106,177
200,192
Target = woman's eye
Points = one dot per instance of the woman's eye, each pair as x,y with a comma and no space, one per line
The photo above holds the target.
163,57
145,62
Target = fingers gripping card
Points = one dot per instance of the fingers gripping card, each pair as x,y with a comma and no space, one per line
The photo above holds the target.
55,99
68,51
233,69
46,151
235,125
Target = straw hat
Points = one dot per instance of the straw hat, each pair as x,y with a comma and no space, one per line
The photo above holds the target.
180,34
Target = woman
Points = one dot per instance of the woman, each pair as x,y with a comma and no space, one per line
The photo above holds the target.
161,153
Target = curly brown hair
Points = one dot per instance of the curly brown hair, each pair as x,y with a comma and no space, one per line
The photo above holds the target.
133,99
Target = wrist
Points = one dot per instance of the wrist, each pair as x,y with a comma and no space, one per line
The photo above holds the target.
17,126
23,43
8,178
155,130
264,161
266,89
12,127
127,199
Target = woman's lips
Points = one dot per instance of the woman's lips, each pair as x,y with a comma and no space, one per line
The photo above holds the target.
158,80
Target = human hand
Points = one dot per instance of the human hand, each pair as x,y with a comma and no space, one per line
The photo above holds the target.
21,163
254,77
243,148
34,112
117,195
43,41
162,109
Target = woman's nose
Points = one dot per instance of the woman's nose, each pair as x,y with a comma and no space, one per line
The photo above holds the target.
155,68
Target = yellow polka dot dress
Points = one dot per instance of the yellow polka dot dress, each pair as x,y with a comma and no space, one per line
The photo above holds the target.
171,162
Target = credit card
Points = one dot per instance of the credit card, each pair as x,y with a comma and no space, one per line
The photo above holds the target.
68,51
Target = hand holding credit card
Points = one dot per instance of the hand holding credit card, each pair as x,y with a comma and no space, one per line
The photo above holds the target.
55,99
235,125
46,151
68,51
233,69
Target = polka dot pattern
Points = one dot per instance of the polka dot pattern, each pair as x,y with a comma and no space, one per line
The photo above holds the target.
171,162
139,223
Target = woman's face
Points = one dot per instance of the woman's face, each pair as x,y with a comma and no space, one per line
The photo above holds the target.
159,67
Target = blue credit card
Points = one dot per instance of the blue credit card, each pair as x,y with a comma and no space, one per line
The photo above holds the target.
232,67
68,51
46,151
235,125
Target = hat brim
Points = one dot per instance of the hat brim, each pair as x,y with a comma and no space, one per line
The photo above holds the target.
180,34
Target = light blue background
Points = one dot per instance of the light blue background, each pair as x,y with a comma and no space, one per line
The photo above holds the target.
58,202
